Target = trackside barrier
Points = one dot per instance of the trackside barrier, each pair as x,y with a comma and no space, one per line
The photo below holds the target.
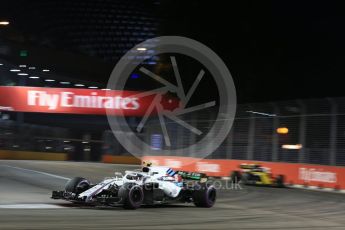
121,159
24,155
305,175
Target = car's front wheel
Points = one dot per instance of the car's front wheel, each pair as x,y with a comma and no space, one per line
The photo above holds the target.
132,196
235,176
77,185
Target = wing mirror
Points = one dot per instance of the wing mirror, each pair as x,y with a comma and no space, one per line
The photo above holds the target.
118,174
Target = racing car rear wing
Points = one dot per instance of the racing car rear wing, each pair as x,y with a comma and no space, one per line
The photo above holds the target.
191,175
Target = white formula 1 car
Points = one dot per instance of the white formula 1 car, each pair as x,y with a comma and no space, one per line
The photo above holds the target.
148,186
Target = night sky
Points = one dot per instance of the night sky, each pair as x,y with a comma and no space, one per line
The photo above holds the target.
275,50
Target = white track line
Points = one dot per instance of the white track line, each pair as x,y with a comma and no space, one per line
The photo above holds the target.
30,206
39,172
315,188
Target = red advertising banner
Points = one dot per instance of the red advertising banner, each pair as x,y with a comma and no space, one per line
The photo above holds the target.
72,101
298,174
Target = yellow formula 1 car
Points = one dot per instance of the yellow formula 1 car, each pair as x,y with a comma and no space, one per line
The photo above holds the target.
255,174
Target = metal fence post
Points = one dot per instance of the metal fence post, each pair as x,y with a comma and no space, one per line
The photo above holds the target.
180,138
192,138
215,152
275,137
302,129
333,132
251,134
229,141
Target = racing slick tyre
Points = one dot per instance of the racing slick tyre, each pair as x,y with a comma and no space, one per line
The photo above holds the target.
204,196
280,181
132,195
235,176
245,178
77,185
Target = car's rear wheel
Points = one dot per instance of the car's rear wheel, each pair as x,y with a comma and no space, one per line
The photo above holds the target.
204,196
132,196
280,181
77,185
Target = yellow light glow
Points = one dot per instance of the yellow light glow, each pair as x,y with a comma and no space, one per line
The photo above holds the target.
297,146
283,130
4,23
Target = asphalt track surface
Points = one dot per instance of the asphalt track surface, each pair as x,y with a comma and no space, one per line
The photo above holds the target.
25,188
